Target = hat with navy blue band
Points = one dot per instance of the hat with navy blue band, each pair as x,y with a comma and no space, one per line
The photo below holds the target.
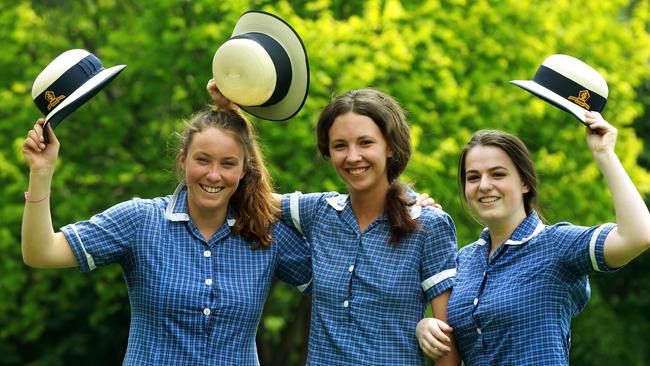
68,82
263,67
568,84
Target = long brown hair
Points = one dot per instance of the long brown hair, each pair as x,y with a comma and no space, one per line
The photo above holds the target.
518,153
253,199
391,120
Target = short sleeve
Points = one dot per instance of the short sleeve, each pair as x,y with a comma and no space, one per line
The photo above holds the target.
106,237
294,258
438,266
300,210
582,248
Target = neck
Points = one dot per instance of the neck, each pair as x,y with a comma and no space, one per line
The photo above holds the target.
502,230
368,205
208,222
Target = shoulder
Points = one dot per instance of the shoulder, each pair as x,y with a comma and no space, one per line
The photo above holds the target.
560,230
431,216
138,207
280,228
568,232
325,199
468,250
150,204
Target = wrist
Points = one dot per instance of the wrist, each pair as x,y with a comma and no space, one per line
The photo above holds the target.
30,199
604,155
41,173
40,181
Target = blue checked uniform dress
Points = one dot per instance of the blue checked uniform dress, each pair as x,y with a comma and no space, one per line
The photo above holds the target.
516,308
367,294
192,302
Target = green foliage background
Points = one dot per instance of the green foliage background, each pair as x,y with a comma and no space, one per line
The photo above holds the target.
448,62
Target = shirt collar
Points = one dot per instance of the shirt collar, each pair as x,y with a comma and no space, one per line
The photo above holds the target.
339,202
177,209
527,230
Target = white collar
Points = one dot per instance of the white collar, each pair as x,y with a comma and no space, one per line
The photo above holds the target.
540,226
338,202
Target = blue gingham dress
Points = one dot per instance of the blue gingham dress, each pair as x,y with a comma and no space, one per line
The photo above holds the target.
192,302
368,295
516,308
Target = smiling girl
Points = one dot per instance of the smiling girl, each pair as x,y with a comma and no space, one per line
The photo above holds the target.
520,284
378,259
198,264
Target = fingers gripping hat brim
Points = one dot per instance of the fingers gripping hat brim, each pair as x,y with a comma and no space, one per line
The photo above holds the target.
552,98
283,33
81,95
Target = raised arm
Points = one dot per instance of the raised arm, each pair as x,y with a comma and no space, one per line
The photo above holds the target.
42,247
631,237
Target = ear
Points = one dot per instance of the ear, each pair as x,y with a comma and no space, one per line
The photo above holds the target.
389,152
181,161
525,188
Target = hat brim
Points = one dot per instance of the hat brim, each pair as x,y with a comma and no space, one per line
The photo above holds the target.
281,31
552,98
80,96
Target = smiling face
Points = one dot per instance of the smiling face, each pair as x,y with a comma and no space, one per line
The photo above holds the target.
494,189
359,153
213,165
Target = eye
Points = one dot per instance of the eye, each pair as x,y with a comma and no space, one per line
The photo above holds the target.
500,174
472,178
337,146
366,142
202,160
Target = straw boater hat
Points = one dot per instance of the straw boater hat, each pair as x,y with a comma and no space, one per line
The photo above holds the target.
568,84
69,81
263,67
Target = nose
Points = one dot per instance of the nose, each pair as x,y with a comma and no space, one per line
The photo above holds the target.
214,173
354,155
485,184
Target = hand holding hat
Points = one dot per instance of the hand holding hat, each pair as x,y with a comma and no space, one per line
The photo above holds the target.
263,67
568,84
68,82
39,156
219,98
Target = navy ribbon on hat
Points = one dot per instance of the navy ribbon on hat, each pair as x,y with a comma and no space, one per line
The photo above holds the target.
68,82
569,89
281,62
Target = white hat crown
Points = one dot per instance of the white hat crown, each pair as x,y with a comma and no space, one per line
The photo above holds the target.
569,84
579,72
263,67
69,81
56,68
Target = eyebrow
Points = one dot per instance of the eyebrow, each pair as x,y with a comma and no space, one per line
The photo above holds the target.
489,170
364,137
205,154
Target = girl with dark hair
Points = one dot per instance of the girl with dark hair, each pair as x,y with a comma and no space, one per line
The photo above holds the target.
378,259
520,284
199,263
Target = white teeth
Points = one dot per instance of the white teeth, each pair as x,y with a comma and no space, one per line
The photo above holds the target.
356,171
488,199
211,189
